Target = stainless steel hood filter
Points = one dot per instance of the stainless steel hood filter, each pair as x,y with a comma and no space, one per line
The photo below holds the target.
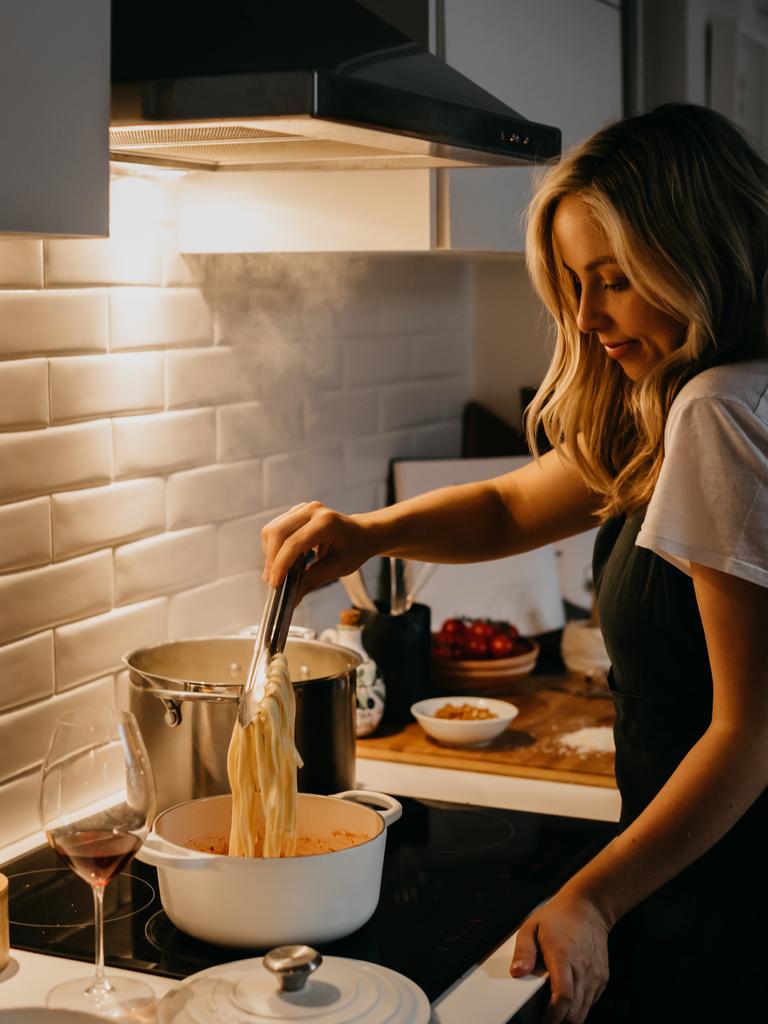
298,84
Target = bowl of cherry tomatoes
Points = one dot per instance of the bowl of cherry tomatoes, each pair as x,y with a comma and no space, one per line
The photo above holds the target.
480,655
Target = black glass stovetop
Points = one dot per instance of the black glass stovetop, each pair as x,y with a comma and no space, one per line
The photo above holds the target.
457,881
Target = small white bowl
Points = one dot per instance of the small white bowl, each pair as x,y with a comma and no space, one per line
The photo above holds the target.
458,732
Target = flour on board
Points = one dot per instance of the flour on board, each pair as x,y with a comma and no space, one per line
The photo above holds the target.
593,740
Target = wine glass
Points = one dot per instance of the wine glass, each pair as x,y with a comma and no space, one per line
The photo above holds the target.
96,805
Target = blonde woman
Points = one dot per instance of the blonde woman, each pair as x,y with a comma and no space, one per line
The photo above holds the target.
649,246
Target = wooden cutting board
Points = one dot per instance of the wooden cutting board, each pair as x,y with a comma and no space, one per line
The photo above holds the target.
550,707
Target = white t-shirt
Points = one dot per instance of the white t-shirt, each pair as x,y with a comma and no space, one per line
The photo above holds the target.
710,503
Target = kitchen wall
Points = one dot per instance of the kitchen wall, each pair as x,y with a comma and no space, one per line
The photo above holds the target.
675,58
156,410
513,336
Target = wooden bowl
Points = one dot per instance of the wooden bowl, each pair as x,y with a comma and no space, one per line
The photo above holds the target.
486,677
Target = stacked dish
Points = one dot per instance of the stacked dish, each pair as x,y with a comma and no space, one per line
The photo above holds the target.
583,650
483,677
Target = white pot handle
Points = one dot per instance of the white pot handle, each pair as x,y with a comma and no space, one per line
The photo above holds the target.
389,808
152,851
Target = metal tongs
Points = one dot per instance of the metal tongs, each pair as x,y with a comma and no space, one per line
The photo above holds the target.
273,633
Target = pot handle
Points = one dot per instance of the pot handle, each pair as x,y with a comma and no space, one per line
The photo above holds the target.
389,808
153,852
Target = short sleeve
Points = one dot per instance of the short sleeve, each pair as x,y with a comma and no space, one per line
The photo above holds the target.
710,503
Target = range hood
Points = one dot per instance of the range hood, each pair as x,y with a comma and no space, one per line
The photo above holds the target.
298,85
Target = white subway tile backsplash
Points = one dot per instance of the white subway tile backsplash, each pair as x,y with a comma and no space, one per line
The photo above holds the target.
93,647
18,799
21,263
302,475
354,499
367,458
247,429
210,375
225,606
213,493
158,317
26,732
41,461
409,405
438,355
456,392
100,516
131,255
239,543
282,378
26,671
38,323
368,361
337,415
162,564
169,440
438,441
23,394
25,534
301,360
292,292
40,598
400,294
431,294
83,387
321,609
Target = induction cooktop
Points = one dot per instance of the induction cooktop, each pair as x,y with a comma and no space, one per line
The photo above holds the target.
457,880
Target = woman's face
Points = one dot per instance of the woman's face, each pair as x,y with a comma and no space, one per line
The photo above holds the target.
632,331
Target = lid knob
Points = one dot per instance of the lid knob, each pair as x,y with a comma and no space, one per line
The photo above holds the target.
292,965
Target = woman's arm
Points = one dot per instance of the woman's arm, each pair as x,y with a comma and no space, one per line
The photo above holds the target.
712,787
536,504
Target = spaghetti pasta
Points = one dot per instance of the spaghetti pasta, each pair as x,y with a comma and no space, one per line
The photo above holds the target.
261,764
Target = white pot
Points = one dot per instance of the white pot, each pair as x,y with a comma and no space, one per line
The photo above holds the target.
257,902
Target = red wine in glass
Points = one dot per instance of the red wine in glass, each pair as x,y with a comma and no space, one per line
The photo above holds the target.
96,855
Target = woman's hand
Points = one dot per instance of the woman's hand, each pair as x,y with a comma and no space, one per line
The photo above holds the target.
342,544
571,937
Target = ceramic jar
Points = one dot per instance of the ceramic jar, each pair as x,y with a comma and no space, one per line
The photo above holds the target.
371,692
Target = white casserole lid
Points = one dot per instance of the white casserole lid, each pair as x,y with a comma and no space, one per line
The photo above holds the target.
343,991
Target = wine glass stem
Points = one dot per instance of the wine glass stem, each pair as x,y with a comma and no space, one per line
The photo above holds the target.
100,983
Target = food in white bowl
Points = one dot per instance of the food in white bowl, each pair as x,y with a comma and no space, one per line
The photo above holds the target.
454,727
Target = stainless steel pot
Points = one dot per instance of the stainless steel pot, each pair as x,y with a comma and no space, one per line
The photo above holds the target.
184,695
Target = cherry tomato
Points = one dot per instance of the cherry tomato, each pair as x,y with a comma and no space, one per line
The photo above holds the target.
453,627
502,645
521,647
481,628
441,650
476,647
452,639
502,626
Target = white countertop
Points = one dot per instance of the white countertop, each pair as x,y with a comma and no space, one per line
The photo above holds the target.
29,976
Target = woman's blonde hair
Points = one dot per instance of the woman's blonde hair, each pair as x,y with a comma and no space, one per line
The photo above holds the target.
683,201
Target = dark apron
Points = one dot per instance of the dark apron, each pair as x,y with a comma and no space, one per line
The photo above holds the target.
697,949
